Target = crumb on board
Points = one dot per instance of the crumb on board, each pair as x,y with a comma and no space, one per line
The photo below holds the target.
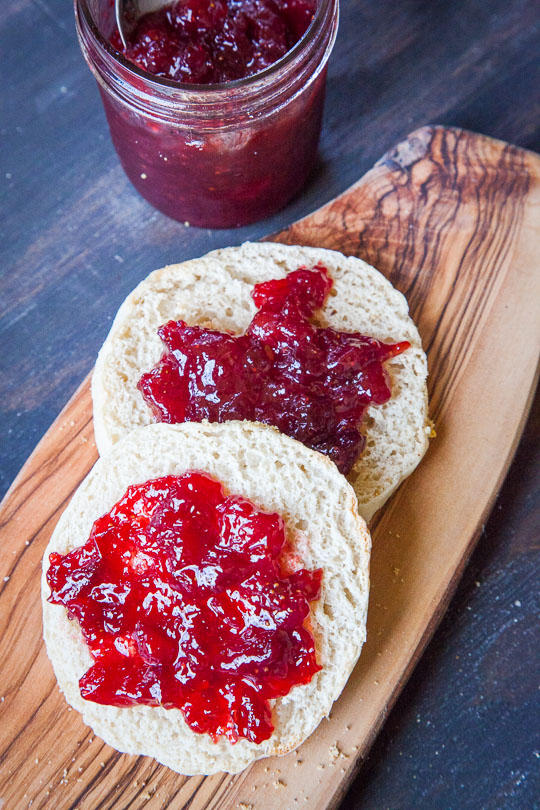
336,752
245,806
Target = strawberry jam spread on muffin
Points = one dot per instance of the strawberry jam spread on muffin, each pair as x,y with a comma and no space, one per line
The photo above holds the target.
186,598
313,383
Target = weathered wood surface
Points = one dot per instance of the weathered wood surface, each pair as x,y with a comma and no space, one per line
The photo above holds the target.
452,219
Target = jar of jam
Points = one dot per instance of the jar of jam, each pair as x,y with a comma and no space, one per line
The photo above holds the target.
214,155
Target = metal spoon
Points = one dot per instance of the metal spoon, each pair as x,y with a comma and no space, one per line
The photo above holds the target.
127,12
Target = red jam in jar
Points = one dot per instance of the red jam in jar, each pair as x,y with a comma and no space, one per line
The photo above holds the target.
215,154
314,384
185,598
214,41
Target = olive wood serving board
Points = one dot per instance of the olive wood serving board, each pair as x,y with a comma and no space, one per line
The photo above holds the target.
453,220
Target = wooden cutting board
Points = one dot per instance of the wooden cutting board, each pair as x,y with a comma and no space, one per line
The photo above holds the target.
453,220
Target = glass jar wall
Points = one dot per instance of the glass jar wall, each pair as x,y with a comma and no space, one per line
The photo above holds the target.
213,155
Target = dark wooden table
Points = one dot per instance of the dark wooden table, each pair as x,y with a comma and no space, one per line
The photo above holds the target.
76,238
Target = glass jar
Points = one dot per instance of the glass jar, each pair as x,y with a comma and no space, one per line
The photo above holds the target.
217,155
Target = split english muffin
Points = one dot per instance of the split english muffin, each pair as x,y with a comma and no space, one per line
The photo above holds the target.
323,529
215,292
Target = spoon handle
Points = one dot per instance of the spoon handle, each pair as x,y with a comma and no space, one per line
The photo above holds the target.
127,12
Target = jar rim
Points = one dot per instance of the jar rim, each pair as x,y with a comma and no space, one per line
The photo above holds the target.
219,87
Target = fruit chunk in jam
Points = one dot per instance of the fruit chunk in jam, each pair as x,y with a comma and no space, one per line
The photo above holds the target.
185,600
314,384
203,42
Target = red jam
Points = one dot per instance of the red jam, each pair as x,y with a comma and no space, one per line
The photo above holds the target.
208,42
314,384
185,598
222,154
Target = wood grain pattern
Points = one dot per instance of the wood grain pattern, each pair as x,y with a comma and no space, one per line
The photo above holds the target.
452,219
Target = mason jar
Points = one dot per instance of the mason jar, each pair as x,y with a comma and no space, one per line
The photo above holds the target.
214,155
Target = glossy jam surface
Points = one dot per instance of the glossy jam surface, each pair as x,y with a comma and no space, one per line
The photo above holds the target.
185,598
214,41
314,384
